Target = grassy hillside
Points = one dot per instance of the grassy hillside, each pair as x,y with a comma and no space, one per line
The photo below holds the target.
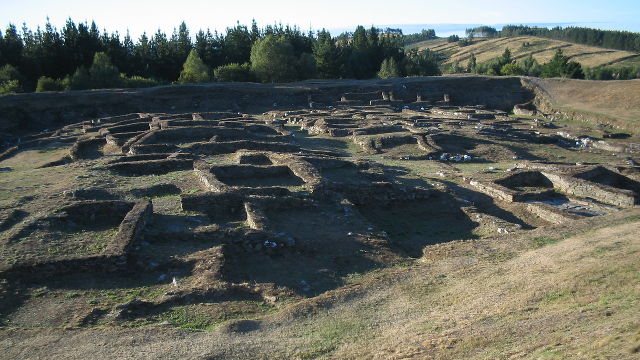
542,50
614,102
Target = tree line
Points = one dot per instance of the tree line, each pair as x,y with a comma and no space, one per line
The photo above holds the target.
505,64
559,65
610,39
80,56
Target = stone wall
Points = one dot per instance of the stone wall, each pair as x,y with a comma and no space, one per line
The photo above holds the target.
582,188
94,212
150,167
229,172
21,114
604,176
152,149
113,258
550,213
426,143
228,204
253,158
210,182
525,178
256,218
81,147
217,148
379,193
300,168
495,191
126,128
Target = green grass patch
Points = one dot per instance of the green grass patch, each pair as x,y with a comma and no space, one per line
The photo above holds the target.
556,296
71,295
328,336
543,241
185,318
604,250
127,295
206,318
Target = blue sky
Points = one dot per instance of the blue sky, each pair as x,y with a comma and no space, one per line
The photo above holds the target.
149,15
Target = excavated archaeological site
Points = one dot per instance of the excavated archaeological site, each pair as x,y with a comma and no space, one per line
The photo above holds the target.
198,214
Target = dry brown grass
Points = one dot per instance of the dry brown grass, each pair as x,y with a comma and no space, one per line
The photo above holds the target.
618,101
567,300
545,294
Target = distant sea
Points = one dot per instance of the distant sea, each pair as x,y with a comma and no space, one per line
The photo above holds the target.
443,30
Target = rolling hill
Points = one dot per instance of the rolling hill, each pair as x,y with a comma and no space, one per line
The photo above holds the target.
542,50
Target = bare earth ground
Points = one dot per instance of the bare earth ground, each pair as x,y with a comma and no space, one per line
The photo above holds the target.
570,292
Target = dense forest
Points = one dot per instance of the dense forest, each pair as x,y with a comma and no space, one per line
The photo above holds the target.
80,56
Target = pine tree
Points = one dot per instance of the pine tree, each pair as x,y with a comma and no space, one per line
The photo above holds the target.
389,69
183,41
273,60
360,41
326,55
69,53
237,44
306,66
11,46
511,69
531,66
10,80
142,56
573,70
234,72
560,66
255,32
208,47
103,73
49,84
194,70
80,80
555,67
506,57
472,65
424,63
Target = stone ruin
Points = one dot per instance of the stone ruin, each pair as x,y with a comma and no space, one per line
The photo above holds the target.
558,194
260,202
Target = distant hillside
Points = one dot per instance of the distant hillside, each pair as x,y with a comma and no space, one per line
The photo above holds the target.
542,50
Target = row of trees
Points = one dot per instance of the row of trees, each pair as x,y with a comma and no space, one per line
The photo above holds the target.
612,73
425,34
67,58
611,39
482,31
273,59
558,66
